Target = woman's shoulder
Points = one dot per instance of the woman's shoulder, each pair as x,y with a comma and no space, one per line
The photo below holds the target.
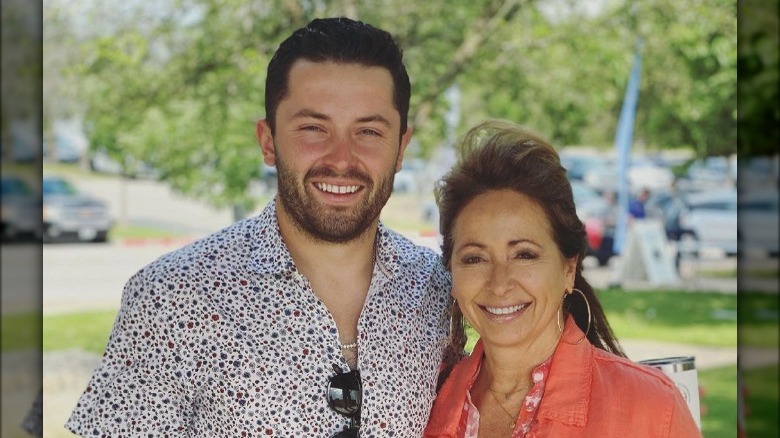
621,374
642,392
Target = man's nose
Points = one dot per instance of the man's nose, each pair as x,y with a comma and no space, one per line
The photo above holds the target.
341,152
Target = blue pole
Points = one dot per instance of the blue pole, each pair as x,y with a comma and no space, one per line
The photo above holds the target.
623,139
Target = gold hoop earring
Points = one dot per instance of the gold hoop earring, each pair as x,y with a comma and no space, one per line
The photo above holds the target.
559,313
587,304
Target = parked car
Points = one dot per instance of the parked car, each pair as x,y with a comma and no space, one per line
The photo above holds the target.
706,174
69,214
758,172
758,222
21,210
602,177
407,179
667,207
709,220
598,213
101,162
646,174
577,165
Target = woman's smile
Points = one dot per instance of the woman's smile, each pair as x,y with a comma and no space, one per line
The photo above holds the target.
506,311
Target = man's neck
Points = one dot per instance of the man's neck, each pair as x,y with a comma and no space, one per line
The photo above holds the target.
316,256
339,273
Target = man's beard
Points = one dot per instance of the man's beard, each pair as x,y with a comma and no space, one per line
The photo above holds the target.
326,222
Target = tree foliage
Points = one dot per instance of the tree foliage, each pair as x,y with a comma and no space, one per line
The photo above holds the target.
759,110
180,85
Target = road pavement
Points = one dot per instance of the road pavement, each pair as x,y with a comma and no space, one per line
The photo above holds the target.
81,277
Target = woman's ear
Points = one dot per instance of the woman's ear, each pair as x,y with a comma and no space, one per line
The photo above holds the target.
571,272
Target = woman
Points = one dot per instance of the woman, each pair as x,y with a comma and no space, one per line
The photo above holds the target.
547,363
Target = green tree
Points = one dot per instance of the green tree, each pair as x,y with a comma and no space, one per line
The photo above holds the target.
180,85
759,111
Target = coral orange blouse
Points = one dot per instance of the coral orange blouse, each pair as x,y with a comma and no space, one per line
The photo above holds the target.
588,393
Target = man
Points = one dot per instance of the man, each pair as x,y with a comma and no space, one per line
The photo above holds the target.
311,319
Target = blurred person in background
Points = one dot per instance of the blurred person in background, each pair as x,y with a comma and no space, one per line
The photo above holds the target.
636,206
311,319
547,362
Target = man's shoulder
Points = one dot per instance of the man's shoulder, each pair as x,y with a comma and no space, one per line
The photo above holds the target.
234,241
410,253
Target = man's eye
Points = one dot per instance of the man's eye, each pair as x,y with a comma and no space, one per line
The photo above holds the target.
368,131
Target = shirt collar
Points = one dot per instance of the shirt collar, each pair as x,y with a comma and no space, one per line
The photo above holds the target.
566,396
453,393
567,387
270,254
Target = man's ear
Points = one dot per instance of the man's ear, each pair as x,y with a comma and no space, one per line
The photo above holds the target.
402,148
266,141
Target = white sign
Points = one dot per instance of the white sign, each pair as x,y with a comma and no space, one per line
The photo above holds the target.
648,254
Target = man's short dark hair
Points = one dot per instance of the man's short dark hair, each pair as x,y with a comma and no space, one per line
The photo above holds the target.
340,40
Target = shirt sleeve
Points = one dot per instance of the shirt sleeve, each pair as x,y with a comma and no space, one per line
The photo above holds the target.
682,424
141,385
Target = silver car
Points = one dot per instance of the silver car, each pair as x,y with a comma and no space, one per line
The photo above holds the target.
21,210
709,220
69,214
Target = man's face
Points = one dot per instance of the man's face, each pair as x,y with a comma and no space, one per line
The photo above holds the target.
336,148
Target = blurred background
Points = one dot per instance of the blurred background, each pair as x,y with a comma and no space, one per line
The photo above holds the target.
145,141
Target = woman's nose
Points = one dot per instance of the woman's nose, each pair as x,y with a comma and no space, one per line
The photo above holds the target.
500,279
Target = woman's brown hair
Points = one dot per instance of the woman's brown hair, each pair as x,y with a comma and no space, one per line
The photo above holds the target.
497,155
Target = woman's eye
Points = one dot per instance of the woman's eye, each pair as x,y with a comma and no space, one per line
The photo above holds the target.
525,255
471,260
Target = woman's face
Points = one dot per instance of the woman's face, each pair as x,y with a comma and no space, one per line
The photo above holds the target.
507,272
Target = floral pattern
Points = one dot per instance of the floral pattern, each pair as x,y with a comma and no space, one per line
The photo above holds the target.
224,337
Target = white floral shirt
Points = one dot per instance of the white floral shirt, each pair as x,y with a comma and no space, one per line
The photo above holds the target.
225,338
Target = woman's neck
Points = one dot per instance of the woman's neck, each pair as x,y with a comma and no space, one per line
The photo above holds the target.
509,368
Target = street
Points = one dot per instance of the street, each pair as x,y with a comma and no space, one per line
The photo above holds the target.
91,276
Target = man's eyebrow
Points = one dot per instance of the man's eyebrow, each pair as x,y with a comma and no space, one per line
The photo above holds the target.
307,113
375,118
372,118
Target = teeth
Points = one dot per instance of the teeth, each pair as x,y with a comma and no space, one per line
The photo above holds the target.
330,188
505,310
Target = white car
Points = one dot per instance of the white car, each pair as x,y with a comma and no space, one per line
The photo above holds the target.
709,220
758,222
649,176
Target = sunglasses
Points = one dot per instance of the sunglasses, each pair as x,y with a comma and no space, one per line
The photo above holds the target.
345,394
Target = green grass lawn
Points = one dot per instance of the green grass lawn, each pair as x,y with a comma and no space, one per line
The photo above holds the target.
687,317
718,402
758,319
87,331
761,399
758,327
697,318
130,231
20,331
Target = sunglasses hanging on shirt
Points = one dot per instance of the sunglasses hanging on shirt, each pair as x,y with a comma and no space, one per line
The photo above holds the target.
345,395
